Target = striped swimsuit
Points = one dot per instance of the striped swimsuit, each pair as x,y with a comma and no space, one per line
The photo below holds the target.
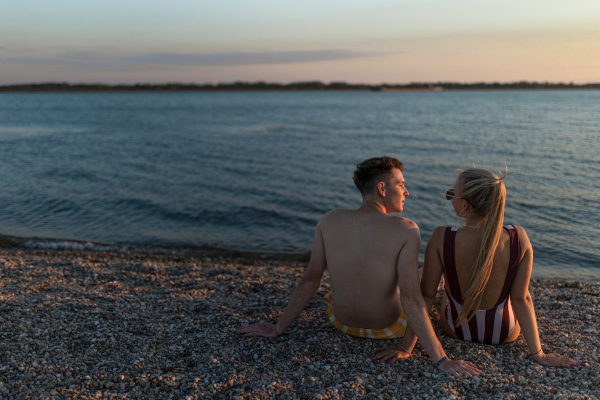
490,326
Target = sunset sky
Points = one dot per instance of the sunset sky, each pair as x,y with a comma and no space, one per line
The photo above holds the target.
401,41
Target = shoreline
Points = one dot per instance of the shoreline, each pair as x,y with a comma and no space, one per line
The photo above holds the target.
575,274
141,325
50,244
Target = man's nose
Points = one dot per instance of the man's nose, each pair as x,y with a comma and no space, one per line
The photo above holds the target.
406,192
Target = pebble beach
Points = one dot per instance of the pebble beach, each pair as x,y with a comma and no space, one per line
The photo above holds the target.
160,325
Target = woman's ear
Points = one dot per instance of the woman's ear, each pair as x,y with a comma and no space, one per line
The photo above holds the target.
465,205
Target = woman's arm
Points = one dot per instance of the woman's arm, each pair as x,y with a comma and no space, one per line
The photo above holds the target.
432,272
523,306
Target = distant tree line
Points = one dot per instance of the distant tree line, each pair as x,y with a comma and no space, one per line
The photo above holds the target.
297,86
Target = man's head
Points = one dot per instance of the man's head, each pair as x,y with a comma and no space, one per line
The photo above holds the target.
382,177
378,169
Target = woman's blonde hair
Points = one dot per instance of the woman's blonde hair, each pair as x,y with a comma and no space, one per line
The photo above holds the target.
487,192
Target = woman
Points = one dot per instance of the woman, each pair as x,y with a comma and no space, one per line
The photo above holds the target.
486,269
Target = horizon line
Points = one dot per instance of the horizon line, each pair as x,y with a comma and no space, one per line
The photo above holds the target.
333,82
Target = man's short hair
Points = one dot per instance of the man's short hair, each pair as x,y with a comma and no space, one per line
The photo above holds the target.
374,170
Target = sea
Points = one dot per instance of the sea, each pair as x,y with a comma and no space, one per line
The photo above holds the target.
256,170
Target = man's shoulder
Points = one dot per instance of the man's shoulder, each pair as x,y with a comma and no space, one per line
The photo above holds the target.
338,211
334,215
400,230
401,223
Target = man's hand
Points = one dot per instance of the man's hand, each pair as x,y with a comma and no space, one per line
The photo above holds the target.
458,368
390,354
263,329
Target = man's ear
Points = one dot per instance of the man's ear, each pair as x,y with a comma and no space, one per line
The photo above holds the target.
381,188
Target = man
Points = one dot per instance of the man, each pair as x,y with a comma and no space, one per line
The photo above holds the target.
369,254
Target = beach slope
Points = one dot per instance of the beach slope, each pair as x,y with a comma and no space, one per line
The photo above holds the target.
161,325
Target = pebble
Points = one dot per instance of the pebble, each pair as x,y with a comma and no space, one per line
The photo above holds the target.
89,325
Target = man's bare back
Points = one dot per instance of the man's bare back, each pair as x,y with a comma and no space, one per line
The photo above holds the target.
362,249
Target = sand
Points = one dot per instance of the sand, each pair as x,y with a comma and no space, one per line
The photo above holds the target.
160,325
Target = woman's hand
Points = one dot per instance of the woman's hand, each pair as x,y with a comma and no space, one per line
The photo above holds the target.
555,360
390,354
263,329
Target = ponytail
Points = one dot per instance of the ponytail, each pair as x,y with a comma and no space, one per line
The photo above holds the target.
488,193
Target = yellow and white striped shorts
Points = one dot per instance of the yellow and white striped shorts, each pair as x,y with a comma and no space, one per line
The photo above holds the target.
397,329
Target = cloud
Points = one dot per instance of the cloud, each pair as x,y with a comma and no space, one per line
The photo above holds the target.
71,58
81,56
29,60
75,58
247,58
153,60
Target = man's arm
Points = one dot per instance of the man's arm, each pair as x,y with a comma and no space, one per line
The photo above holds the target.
412,299
432,272
430,280
307,287
415,308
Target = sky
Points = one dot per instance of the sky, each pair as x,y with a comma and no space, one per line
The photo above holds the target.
375,41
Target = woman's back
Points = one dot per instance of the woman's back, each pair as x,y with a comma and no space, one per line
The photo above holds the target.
466,246
494,320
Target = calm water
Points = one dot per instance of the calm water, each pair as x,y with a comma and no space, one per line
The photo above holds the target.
257,170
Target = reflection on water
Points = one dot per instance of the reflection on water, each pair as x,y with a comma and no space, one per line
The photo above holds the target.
257,170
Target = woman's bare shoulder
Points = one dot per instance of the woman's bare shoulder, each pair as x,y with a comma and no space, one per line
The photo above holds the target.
439,231
523,238
437,236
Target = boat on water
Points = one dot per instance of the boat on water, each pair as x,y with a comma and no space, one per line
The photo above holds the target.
408,89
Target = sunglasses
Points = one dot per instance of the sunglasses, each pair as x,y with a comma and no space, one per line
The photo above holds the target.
450,195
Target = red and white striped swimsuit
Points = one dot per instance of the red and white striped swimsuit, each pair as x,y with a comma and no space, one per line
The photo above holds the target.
490,326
